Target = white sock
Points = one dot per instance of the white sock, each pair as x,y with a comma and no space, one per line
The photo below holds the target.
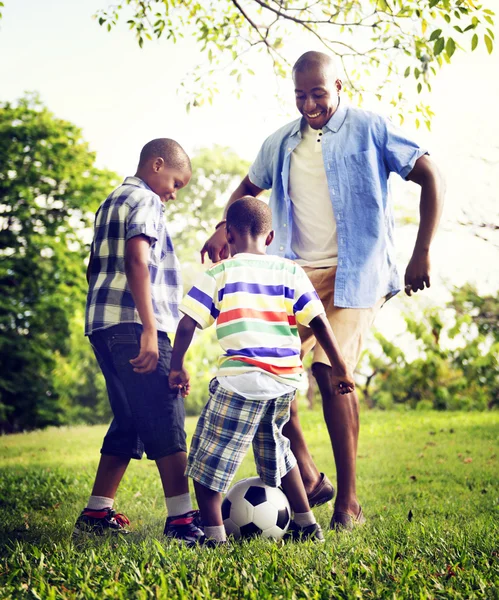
178,505
304,519
215,532
99,502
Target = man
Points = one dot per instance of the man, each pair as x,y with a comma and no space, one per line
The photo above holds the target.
328,172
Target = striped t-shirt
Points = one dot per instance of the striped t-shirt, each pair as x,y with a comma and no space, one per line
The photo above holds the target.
256,301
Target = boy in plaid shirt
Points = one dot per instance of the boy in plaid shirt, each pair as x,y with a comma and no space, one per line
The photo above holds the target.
256,301
132,304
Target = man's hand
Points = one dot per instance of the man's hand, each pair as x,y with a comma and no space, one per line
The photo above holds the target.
216,246
179,380
417,274
344,384
147,360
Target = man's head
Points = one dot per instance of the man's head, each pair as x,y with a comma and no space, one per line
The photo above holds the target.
317,88
249,223
165,167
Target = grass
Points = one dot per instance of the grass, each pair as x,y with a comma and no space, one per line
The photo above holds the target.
428,482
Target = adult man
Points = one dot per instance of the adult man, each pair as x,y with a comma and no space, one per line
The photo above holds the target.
332,214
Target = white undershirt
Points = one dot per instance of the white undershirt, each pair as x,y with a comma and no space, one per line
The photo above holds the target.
314,226
255,385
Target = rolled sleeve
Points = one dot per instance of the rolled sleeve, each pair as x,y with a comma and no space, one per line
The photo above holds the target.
400,152
260,172
307,304
201,302
145,218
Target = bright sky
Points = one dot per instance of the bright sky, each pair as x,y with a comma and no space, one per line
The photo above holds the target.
122,96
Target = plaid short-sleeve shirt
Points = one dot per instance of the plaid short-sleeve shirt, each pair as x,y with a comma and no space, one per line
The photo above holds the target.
131,209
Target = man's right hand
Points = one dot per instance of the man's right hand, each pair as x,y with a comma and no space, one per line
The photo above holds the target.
216,246
147,360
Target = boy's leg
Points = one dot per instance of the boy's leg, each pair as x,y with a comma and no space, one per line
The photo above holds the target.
224,431
276,465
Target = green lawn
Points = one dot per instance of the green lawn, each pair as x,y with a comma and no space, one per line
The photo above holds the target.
428,483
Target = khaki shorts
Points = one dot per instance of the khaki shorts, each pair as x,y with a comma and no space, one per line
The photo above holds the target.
350,325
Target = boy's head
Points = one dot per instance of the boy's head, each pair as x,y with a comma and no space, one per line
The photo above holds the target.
249,224
165,167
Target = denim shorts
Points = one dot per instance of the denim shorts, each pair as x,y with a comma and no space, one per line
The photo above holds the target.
148,416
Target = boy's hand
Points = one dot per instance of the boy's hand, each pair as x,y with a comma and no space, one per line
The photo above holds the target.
344,384
179,380
147,360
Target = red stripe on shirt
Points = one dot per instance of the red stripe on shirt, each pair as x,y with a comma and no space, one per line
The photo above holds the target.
251,313
276,370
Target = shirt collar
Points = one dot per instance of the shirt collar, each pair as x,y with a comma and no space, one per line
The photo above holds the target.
338,118
334,123
137,182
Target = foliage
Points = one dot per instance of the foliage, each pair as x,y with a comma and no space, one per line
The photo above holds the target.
428,482
457,364
393,39
216,172
48,183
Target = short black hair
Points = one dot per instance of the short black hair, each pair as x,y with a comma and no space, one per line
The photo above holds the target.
250,216
169,150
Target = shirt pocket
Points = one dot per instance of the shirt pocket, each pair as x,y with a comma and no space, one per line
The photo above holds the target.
362,171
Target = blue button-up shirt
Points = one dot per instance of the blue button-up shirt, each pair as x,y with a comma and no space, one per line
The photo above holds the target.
360,149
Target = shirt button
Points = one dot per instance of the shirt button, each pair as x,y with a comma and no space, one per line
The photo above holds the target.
284,224
281,248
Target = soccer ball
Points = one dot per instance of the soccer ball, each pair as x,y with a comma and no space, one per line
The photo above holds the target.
252,508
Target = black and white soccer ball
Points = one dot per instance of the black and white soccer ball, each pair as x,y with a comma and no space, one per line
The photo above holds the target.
252,508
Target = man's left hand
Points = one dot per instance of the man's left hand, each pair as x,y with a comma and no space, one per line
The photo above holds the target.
417,274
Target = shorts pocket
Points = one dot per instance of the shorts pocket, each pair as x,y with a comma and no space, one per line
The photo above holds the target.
123,347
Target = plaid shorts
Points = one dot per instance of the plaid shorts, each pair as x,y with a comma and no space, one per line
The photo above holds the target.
227,425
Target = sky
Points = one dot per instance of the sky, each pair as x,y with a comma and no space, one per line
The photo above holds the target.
122,96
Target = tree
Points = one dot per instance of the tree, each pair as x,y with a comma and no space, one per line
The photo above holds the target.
48,185
396,38
457,366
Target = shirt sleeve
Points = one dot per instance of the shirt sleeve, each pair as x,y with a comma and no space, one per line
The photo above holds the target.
201,302
400,152
307,304
260,172
145,218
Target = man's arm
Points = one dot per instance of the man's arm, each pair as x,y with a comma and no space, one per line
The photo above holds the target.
216,246
342,379
426,174
179,377
139,281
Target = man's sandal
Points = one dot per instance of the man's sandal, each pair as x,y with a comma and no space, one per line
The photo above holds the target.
342,521
322,493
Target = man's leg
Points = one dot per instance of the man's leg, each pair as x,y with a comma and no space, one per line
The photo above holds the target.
308,470
341,414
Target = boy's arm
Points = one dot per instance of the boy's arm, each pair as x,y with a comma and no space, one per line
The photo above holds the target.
179,377
139,281
342,379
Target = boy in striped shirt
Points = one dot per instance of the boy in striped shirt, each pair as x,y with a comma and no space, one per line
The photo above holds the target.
256,301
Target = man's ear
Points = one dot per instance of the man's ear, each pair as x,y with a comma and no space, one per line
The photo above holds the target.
339,85
270,238
158,164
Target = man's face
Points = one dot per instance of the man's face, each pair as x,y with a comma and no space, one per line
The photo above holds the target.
316,93
167,181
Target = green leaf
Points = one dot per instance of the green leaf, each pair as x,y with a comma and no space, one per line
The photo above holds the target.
407,72
434,3
420,87
439,46
474,42
435,34
450,47
489,43
491,33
